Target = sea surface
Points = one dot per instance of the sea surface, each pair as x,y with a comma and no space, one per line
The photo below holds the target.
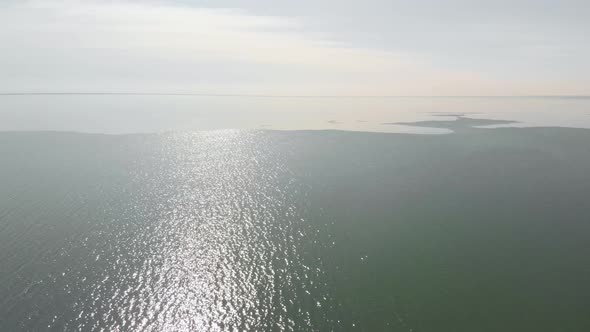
256,229
150,113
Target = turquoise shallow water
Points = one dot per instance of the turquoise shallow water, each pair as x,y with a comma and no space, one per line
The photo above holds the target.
479,230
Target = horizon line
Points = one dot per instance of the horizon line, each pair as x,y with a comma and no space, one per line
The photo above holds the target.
246,95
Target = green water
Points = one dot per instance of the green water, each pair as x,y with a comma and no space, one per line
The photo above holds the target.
480,230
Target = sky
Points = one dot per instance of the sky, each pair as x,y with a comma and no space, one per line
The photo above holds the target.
304,47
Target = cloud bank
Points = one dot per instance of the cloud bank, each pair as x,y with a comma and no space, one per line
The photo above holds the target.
131,46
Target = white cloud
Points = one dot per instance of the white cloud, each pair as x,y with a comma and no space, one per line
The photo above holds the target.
155,46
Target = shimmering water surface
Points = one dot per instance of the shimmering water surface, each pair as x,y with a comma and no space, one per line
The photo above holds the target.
250,230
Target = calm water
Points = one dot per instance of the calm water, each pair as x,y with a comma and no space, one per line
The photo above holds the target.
117,114
479,230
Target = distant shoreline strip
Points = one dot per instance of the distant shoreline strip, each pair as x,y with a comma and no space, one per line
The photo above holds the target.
269,95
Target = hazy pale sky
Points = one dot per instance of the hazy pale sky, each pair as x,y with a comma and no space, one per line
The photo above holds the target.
305,47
